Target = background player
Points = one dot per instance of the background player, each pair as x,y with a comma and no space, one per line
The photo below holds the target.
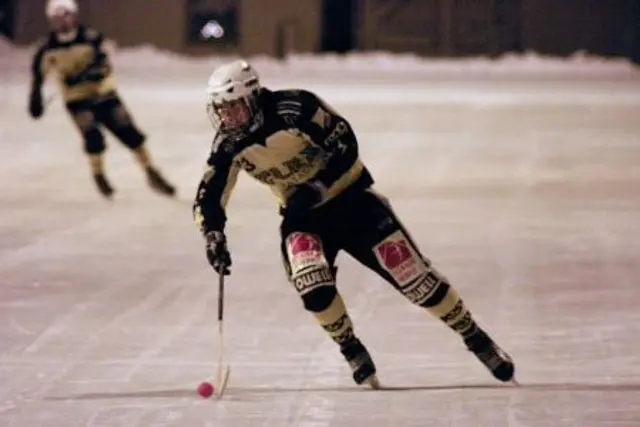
87,85
308,155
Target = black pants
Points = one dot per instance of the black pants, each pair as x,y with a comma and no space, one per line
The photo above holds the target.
362,223
109,111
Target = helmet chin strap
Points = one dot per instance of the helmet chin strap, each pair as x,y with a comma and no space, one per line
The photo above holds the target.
258,121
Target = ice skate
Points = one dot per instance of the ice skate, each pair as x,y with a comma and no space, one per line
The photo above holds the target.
158,183
362,366
491,356
103,185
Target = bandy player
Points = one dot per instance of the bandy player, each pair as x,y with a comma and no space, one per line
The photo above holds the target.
87,84
307,154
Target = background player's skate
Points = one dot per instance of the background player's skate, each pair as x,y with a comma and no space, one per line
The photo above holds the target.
103,184
158,182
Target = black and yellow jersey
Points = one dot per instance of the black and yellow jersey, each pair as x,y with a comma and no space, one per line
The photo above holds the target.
82,66
302,139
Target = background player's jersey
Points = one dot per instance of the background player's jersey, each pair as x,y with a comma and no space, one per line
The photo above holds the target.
81,64
302,139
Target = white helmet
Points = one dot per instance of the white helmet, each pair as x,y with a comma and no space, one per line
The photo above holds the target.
58,7
232,99
63,16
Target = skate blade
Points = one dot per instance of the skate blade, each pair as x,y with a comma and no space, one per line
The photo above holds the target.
224,380
373,382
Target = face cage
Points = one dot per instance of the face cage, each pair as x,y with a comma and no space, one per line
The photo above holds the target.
64,21
222,116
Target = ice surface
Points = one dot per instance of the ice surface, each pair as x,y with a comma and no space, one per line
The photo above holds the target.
518,177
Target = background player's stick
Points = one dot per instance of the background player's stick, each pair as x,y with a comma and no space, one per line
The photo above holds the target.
223,371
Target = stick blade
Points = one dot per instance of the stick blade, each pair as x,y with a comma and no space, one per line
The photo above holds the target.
221,387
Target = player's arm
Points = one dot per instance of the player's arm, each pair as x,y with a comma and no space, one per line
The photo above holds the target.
39,69
214,190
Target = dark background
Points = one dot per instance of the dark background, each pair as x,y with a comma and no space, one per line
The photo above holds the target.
426,27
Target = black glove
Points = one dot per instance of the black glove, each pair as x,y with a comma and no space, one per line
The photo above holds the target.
217,252
95,72
305,196
36,108
75,79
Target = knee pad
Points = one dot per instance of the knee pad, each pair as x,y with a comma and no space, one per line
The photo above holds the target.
428,289
316,286
130,136
437,296
93,141
320,298
308,270
401,263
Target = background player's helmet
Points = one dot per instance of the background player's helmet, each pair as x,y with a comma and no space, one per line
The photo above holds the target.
63,15
232,99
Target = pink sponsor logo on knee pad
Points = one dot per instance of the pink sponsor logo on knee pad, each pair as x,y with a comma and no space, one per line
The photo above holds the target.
304,250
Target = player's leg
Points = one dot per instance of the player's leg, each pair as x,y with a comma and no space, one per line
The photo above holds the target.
309,257
380,241
94,146
118,120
